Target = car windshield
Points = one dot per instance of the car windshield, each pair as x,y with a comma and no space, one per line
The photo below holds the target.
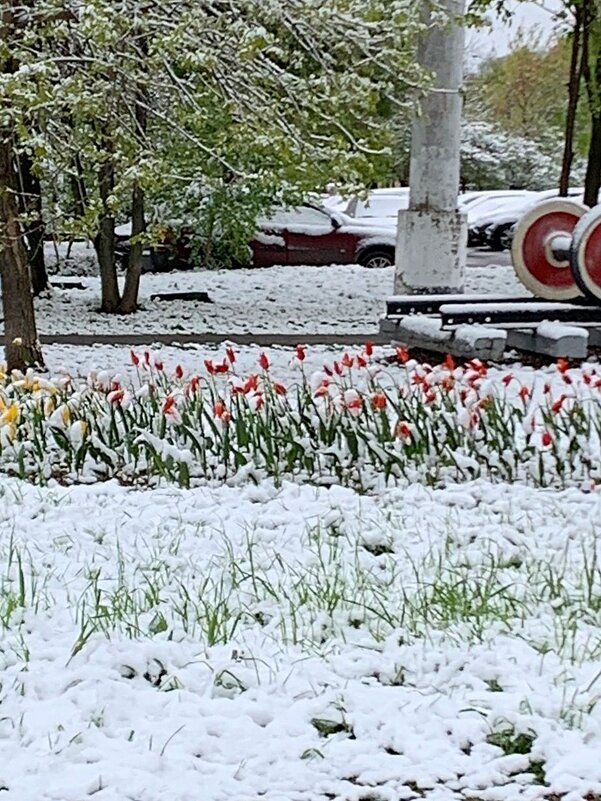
300,216
382,205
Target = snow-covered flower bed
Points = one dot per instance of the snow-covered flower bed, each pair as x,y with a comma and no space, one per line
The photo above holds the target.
197,615
358,421
303,643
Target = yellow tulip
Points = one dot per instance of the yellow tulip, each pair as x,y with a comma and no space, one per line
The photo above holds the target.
11,415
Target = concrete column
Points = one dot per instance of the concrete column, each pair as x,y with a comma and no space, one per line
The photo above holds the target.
432,235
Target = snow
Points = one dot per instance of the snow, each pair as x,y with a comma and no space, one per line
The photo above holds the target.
80,361
553,330
340,298
470,334
426,326
175,643
294,643
270,239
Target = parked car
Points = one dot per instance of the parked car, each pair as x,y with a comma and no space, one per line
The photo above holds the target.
379,204
496,232
472,197
479,212
306,235
318,236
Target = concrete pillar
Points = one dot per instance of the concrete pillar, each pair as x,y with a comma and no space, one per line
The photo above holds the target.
432,235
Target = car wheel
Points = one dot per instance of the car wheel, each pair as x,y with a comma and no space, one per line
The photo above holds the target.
501,239
376,259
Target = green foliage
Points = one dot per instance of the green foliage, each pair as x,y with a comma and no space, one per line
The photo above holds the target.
525,92
493,158
258,103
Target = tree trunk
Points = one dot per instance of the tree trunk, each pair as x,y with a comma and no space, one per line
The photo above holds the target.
34,229
105,242
129,302
592,182
592,78
22,346
78,188
576,66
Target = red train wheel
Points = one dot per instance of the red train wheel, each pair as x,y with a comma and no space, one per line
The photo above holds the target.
585,253
540,249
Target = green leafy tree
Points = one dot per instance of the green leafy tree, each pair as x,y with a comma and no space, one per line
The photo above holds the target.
246,102
582,18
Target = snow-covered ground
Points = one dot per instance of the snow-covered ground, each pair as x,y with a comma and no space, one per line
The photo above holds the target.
340,298
299,644
238,643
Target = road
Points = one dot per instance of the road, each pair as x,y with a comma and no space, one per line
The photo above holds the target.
481,257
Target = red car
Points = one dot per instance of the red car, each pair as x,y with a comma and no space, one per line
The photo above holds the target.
309,235
315,235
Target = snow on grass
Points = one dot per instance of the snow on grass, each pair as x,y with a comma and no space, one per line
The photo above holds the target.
310,300
299,643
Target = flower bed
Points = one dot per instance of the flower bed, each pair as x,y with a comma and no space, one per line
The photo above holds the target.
356,422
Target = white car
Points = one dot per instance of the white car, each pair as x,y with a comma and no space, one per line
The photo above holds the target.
496,231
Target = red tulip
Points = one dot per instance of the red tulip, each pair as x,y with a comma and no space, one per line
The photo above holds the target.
403,430
449,362
251,383
135,359
355,403
168,404
547,439
263,361
402,355
300,353
379,401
